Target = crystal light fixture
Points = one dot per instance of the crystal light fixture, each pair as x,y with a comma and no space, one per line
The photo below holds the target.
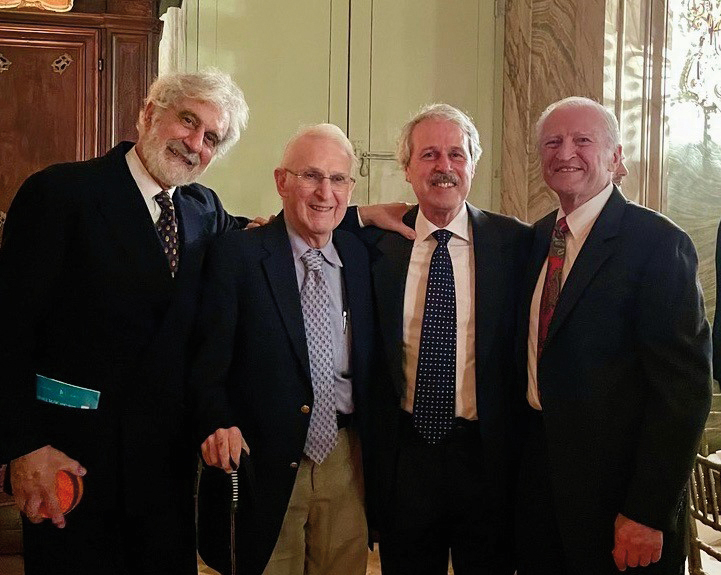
53,5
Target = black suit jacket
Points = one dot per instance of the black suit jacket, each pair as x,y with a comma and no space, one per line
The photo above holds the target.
624,380
501,247
252,370
88,299
717,315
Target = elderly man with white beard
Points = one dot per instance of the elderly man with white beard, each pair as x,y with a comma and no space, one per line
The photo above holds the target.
99,274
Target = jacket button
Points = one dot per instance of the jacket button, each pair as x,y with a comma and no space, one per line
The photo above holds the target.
294,465
305,409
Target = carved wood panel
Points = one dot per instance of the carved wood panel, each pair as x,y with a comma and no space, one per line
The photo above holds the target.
129,81
71,86
49,96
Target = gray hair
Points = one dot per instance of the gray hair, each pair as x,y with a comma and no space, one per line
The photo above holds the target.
329,132
610,121
442,112
210,85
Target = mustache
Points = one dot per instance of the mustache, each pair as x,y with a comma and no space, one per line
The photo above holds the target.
444,178
181,149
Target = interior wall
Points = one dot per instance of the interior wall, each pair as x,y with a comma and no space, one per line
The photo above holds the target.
303,62
553,49
279,54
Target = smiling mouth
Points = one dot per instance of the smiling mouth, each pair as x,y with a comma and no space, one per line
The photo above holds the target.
568,169
189,161
322,209
444,181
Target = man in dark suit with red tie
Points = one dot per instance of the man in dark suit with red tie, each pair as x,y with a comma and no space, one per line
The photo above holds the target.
616,349
99,275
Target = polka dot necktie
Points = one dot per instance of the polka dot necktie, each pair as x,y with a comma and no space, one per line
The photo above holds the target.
315,302
434,404
167,228
552,283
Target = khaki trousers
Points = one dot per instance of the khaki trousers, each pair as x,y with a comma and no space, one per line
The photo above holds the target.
324,531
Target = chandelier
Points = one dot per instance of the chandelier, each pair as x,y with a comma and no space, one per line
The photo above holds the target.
54,5
701,77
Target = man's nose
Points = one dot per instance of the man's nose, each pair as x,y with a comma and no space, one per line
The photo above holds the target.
443,164
566,150
194,141
324,190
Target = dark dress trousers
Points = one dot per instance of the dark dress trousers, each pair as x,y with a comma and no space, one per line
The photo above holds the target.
624,381
501,246
88,299
252,370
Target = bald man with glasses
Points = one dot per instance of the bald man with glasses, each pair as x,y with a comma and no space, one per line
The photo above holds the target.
285,364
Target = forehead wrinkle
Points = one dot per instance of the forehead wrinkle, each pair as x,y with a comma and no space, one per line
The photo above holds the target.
312,168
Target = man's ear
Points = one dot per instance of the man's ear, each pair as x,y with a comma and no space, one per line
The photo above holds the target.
148,114
616,158
279,174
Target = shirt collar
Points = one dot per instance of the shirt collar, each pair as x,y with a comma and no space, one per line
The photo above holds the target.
149,188
300,246
458,226
583,217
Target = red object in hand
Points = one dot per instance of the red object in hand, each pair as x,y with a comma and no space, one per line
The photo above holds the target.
69,490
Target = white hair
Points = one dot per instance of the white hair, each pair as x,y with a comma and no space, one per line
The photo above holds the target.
210,85
611,124
443,112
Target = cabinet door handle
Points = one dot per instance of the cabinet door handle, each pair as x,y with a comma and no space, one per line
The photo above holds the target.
366,157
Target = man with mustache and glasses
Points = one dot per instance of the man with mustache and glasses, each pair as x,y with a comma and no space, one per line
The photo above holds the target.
99,273
447,311
615,358
286,357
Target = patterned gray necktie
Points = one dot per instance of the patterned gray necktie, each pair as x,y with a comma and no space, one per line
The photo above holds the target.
315,301
167,228
434,404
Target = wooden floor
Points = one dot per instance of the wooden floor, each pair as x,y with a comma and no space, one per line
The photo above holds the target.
374,566
13,565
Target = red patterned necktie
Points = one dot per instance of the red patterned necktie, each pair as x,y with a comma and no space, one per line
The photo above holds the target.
167,228
552,284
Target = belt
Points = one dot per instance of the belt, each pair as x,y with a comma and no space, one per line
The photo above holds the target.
461,427
344,419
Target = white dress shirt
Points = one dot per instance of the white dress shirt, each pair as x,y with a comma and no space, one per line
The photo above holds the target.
460,247
149,188
580,221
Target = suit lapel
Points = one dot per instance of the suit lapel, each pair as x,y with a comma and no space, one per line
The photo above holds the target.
280,273
389,279
539,254
127,217
353,285
487,249
596,249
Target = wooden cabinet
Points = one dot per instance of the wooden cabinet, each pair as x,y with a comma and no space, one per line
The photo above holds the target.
71,84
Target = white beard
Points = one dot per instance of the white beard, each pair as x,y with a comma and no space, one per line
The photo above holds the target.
170,171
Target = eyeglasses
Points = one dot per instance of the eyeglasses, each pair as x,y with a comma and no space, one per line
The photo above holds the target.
312,179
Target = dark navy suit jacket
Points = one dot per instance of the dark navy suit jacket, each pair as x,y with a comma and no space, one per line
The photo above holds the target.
252,371
624,380
501,247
